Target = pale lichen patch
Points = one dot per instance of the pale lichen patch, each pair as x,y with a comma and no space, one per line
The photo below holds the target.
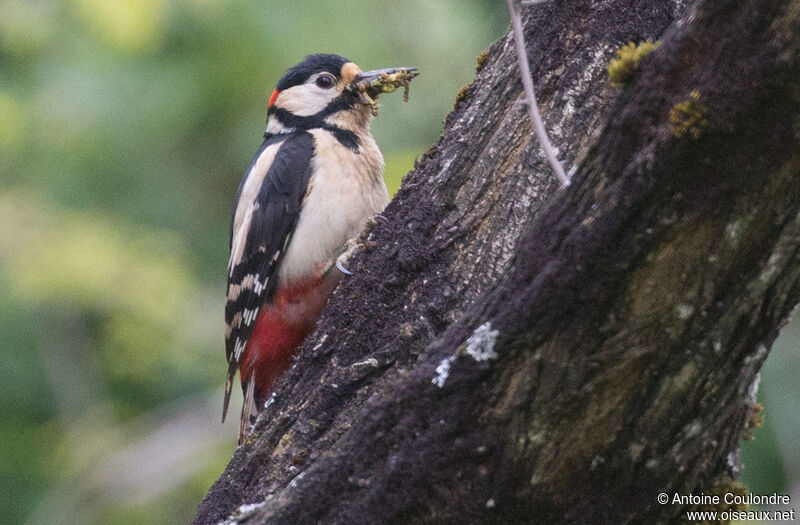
771,269
371,362
694,428
249,508
733,230
536,438
270,400
321,342
733,460
443,371
244,512
296,480
480,345
684,311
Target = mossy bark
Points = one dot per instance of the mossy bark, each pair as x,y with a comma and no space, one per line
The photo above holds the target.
592,346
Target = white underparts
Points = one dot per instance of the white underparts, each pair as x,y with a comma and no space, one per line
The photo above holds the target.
346,189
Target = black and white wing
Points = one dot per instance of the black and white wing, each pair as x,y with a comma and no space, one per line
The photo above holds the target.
265,214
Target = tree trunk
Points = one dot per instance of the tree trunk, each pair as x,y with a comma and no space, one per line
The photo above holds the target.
511,352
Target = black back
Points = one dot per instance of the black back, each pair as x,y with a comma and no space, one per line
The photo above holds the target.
279,202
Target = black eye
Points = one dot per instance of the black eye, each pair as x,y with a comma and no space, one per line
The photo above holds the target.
324,81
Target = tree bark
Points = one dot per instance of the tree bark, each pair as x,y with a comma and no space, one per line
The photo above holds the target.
511,352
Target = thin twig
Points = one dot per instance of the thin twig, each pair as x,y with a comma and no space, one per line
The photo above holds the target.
530,96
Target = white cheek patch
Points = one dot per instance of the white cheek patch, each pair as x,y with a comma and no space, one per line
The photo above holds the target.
306,99
275,127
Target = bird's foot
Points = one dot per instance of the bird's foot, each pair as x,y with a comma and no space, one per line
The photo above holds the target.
353,246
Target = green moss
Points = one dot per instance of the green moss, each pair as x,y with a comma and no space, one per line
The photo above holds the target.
754,420
463,94
725,486
621,70
481,60
688,117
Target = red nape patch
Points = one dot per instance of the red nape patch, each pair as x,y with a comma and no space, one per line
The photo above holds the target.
273,97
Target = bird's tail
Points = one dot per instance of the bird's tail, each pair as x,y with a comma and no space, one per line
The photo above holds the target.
228,387
248,407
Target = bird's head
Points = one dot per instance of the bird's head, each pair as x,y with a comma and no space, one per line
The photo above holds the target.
329,90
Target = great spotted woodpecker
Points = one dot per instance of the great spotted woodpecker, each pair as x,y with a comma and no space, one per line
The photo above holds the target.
312,186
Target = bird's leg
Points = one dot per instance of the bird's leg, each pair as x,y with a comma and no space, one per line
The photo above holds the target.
359,243
352,246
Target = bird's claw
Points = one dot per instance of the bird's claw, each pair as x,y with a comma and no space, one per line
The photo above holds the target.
352,245
341,268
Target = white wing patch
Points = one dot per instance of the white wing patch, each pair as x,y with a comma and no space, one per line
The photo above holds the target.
238,348
249,281
248,203
258,286
249,316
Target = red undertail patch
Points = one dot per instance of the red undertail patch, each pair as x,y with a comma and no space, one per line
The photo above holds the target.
281,326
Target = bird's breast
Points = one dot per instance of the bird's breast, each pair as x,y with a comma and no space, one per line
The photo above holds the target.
345,190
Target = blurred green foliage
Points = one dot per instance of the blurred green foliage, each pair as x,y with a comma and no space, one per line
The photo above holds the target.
125,127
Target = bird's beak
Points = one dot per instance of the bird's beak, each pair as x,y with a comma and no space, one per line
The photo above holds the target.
380,81
369,84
